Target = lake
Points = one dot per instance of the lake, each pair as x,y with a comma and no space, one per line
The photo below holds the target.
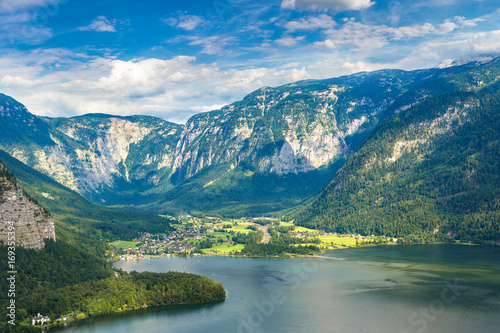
402,289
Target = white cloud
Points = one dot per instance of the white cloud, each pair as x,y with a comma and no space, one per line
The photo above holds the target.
322,5
100,24
462,21
322,21
150,76
10,6
173,89
289,41
206,108
462,44
19,25
328,43
288,4
17,82
184,21
446,27
212,44
424,55
371,37
14,34
22,17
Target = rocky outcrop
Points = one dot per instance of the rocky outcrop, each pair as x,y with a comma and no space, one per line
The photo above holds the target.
31,224
289,129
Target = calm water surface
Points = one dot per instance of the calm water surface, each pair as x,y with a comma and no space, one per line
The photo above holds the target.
421,288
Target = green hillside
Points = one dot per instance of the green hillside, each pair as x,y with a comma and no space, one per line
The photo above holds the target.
241,191
75,216
69,277
433,167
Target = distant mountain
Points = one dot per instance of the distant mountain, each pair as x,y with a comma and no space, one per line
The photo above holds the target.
268,152
471,61
431,172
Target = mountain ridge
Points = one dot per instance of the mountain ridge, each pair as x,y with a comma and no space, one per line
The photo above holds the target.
139,161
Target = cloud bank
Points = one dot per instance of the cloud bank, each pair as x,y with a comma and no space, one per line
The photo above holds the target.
325,5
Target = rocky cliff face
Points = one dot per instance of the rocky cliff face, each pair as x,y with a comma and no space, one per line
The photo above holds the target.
111,152
93,154
290,129
32,225
275,130
305,125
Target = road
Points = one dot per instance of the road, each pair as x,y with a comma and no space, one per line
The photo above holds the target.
267,235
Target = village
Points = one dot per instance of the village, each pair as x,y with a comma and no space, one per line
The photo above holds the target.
195,236
192,236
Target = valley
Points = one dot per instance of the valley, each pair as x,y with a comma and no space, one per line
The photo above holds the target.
214,236
266,153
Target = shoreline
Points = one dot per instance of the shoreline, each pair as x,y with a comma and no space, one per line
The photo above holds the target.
289,256
72,320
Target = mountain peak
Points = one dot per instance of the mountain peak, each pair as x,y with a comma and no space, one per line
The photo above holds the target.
11,108
476,59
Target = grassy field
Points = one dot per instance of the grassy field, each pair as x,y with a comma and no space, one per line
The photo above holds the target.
224,248
303,229
328,242
241,227
339,240
123,244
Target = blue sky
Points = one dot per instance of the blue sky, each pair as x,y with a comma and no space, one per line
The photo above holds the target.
173,59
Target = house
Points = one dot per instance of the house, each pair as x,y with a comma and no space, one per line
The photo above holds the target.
39,319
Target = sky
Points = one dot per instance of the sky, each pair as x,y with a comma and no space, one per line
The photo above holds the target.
173,59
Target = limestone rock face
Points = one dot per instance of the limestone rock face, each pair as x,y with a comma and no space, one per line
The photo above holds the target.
93,154
281,130
32,225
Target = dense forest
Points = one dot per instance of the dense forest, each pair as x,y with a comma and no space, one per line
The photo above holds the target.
63,280
431,173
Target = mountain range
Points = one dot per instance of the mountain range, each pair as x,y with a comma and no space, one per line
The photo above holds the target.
268,152
433,168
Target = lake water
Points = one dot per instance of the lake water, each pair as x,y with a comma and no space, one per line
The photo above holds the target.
420,288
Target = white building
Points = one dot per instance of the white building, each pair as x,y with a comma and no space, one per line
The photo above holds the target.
39,319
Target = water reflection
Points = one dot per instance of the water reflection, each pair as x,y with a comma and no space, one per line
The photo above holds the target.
439,288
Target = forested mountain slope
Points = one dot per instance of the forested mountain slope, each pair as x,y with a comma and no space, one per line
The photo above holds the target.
77,221
434,168
70,276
